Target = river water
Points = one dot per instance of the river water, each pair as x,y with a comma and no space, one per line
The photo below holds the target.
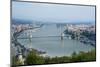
47,38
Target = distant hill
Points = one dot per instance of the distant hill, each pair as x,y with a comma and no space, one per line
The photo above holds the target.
24,21
20,21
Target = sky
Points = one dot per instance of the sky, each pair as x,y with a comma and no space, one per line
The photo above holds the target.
53,12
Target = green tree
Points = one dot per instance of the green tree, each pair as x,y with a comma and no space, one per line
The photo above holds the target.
33,58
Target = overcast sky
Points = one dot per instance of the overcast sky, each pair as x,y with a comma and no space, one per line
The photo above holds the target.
52,12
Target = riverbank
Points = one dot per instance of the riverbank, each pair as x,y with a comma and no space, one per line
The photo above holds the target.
18,50
85,37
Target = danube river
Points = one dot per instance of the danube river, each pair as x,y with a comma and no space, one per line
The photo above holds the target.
48,38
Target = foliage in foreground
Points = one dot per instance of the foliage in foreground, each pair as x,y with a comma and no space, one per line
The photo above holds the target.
34,59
